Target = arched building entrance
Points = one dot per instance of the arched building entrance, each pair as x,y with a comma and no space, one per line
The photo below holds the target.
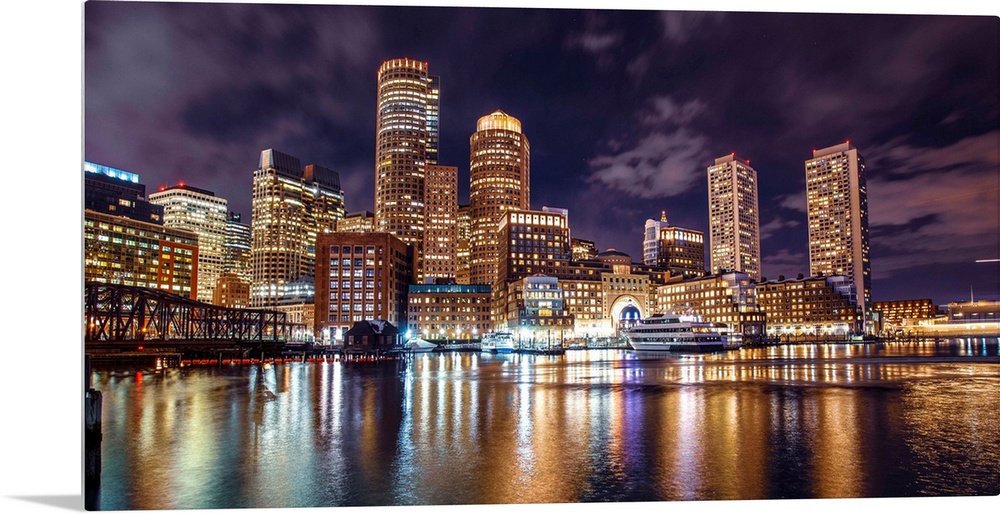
626,311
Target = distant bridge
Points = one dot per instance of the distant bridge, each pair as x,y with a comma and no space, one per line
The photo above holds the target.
129,318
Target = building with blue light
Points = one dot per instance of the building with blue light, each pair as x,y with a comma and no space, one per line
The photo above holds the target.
117,193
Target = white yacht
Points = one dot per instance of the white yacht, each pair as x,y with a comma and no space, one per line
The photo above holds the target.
677,333
417,345
497,342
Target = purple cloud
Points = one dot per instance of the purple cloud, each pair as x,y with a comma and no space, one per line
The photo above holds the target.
667,161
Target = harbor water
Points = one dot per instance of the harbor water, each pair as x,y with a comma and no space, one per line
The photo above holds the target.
795,421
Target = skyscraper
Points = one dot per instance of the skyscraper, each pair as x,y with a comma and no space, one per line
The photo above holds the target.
406,139
441,235
679,250
463,252
291,206
733,217
236,249
199,211
837,204
499,177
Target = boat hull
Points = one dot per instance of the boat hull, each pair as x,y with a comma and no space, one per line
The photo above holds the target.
678,347
418,350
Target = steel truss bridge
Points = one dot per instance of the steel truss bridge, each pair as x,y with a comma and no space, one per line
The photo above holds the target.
128,318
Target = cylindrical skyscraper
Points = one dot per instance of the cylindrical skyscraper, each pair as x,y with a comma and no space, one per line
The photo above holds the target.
498,182
401,150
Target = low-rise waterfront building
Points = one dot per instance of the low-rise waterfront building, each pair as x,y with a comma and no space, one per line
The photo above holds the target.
536,314
453,312
975,318
810,308
896,315
303,316
728,298
371,337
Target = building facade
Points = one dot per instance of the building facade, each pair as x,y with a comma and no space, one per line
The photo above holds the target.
407,121
199,211
734,234
236,248
583,299
536,314
119,250
728,298
681,251
448,312
499,176
813,308
231,290
117,193
360,277
583,249
837,208
529,243
292,205
441,236
463,252
359,221
898,314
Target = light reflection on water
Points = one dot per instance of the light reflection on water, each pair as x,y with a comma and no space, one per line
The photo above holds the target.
809,421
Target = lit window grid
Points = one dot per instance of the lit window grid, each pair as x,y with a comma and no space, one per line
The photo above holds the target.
499,175
288,213
733,218
119,250
205,215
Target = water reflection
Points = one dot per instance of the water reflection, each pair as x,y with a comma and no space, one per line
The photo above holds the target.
816,421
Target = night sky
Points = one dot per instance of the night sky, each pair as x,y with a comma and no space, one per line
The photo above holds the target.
624,111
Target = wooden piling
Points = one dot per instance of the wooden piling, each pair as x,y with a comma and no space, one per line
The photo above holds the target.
92,435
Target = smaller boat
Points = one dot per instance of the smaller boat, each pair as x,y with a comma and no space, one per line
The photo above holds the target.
417,345
498,342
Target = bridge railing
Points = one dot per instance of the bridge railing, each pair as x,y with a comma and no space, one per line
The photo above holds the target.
114,312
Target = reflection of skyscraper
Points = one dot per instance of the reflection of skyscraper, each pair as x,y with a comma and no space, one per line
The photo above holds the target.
499,178
199,211
406,141
837,203
291,206
733,217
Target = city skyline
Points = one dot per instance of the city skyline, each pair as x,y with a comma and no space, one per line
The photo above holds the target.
620,131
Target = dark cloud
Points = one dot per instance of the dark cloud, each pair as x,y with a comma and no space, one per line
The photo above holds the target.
625,110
